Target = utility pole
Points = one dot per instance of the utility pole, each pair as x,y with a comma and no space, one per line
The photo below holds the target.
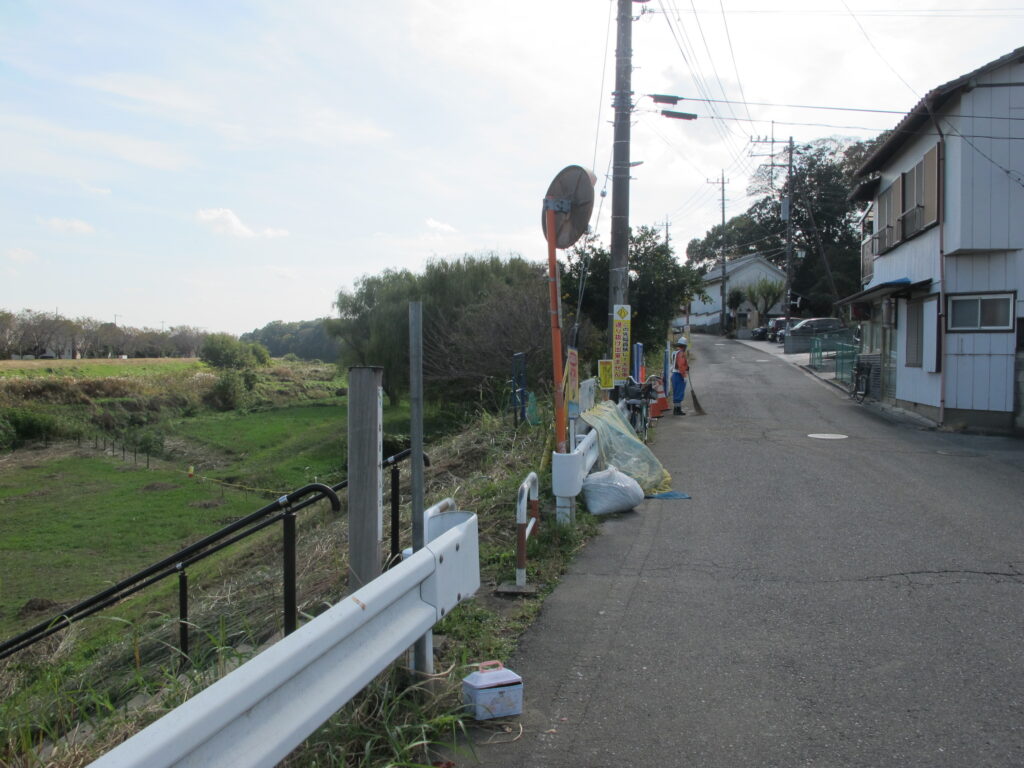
723,182
618,280
787,210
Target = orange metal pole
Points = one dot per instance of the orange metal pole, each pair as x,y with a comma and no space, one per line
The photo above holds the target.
556,336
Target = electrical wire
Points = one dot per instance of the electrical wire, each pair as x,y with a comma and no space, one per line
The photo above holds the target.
732,54
875,48
604,71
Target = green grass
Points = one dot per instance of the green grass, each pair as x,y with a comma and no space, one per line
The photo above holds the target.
72,526
99,368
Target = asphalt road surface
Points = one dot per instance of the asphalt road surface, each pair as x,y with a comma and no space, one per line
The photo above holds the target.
818,602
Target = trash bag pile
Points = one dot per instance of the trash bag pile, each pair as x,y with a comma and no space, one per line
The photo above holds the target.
620,448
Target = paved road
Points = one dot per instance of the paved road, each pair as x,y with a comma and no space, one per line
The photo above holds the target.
854,602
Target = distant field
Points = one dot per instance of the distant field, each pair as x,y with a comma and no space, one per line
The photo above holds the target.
99,368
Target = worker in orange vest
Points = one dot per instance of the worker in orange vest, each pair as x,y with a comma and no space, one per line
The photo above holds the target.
680,370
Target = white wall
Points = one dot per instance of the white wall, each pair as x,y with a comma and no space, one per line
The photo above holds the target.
987,201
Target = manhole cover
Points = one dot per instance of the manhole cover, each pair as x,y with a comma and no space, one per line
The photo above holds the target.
827,436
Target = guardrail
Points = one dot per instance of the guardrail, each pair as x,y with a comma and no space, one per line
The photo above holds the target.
527,494
568,471
261,711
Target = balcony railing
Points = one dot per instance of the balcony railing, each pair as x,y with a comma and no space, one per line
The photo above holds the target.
868,251
912,221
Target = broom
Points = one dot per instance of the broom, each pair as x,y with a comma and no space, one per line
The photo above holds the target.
693,394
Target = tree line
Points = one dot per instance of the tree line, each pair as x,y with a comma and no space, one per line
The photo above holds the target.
480,310
49,334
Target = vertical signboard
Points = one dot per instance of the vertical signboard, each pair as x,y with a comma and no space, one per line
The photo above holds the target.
620,343
605,374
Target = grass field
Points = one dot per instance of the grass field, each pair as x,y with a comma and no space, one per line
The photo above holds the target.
70,526
99,368
73,520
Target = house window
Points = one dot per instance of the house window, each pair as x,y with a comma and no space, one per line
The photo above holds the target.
919,205
981,312
915,334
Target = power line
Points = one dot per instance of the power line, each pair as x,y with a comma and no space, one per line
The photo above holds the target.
604,70
732,53
875,48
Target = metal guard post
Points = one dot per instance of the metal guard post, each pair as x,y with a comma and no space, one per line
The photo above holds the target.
528,492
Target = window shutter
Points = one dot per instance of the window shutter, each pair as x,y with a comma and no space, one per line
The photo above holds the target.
897,198
915,334
931,185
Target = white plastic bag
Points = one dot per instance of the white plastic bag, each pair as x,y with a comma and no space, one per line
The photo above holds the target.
610,491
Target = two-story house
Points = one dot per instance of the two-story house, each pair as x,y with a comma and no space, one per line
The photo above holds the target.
741,272
942,260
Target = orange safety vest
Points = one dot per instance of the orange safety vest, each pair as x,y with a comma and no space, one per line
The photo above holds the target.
680,362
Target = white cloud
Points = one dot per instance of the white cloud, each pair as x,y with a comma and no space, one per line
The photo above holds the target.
224,221
21,254
60,142
98,191
440,226
75,226
284,273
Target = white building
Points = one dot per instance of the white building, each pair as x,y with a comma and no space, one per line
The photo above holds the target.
741,272
942,262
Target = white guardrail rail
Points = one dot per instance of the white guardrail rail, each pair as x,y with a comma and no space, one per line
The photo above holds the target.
261,711
568,471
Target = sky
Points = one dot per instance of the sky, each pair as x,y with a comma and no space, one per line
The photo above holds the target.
227,164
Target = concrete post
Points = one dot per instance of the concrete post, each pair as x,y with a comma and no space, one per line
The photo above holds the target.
365,494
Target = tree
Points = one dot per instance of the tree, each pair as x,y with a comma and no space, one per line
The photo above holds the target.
765,294
478,310
734,301
222,350
823,220
658,284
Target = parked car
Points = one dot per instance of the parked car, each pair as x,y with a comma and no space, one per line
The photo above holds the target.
813,325
759,334
775,325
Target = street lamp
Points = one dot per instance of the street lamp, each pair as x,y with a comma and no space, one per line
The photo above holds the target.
678,115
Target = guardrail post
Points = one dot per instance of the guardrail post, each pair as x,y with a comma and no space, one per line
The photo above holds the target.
365,518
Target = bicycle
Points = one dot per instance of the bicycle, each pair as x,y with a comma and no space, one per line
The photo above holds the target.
638,403
860,381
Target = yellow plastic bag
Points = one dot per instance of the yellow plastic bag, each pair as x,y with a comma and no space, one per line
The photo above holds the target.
619,446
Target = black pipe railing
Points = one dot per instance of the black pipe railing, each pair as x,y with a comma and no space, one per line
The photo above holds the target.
396,498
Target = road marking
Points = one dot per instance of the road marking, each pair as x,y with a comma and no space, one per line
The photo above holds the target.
827,436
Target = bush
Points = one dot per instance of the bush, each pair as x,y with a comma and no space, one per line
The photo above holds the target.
21,425
221,350
7,434
229,393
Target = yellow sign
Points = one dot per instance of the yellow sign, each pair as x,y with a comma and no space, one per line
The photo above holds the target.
605,379
620,342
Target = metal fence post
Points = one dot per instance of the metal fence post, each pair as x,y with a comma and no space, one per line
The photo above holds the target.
288,547
364,474
423,650
183,613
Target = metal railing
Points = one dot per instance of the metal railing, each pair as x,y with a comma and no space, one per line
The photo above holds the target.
846,359
261,711
282,509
